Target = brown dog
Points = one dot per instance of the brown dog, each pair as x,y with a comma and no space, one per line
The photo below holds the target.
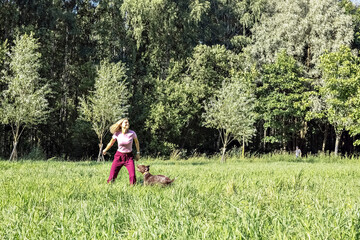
153,179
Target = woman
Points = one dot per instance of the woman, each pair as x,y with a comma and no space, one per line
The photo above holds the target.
123,156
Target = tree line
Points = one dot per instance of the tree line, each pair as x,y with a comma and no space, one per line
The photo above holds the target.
192,76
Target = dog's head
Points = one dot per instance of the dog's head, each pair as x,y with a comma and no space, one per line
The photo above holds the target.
143,168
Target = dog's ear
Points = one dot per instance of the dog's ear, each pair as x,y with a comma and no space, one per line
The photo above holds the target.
148,166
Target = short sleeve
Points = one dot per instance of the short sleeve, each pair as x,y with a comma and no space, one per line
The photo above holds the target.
135,136
114,136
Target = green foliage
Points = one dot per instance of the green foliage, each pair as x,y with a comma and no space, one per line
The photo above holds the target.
3,50
177,55
179,98
109,31
156,19
354,11
108,102
340,89
163,29
9,13
232,110
340,71
178,102
24,102
305,29
83,140
209,66
281,97
36,153
229,23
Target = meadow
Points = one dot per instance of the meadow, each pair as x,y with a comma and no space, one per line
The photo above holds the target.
254,198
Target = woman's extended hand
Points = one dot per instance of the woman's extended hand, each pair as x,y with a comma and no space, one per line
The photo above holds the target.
137,157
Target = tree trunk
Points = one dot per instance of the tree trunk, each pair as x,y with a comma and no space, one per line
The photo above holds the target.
100,155
283,141
243,148
294,140
264,139
325,137
225,140
308,59
14,155
303,133
16,133
223,155
284,135
337,141
64,109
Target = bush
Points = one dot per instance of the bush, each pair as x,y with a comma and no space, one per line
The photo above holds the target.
37,153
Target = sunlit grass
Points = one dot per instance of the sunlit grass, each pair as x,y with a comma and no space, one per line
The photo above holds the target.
250,199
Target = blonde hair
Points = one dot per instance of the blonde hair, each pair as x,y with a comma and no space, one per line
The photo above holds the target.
116,127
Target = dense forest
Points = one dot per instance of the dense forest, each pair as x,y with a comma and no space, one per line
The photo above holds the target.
193,77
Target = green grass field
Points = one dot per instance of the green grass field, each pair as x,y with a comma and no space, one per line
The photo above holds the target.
252,199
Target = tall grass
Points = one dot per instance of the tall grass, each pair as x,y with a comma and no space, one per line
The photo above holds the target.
237,200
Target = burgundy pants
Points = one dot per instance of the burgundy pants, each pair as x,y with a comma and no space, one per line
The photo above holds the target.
123,159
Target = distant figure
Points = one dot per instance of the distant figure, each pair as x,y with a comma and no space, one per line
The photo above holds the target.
297,152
